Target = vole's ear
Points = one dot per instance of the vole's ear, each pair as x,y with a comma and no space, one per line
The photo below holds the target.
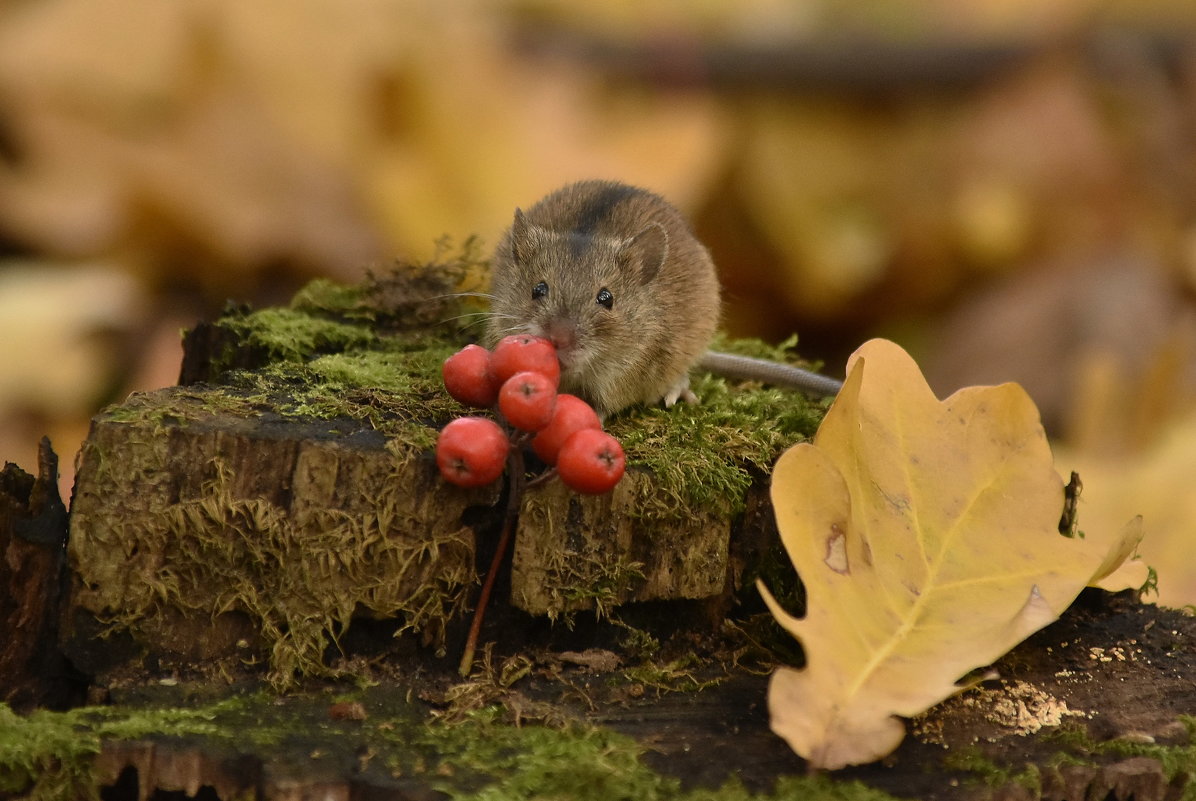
647,251
522,238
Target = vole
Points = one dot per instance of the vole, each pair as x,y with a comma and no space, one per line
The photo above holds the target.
613,275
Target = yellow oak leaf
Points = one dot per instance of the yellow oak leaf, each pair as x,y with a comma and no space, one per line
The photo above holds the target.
926,535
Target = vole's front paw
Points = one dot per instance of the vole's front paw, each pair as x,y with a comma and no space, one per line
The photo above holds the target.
680,391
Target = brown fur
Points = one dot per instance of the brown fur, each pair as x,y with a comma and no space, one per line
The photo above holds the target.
596,235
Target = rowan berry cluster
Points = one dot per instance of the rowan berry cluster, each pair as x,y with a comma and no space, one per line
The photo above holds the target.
522,375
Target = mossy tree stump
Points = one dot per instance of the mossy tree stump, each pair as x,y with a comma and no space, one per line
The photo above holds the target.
254,512
207,531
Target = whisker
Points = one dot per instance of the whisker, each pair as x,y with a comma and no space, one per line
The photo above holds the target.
483,314
461,295
482,318
463,316
513,329
474,324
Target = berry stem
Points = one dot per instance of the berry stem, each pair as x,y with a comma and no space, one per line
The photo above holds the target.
543,478
515,486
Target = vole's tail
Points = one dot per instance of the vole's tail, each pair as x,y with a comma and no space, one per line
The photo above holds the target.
746,368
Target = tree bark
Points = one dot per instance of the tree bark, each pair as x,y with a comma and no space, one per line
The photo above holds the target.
33,536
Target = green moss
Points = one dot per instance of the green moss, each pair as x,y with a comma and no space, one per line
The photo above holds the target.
988,773
675,676
394,387
294,335
584,762
398,393
408,296
1078,748
324,296
708,455
299,577
507,762
1176,759
637,643
50,755
596,583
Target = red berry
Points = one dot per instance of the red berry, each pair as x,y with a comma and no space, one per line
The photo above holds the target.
471,451
591,461
524,352
572,414
527,400
468,378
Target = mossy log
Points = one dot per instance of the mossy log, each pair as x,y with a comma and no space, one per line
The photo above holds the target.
255,514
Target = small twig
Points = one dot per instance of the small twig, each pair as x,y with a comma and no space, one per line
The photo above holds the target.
515,483
543,478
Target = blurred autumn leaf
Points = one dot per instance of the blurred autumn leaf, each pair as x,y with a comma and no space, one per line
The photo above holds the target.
323,135
1136,460
926,535
60,366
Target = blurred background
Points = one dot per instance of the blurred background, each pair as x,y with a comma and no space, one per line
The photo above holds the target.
1007,188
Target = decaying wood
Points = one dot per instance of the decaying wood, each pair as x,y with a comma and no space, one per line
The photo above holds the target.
141,767
211,350
33,530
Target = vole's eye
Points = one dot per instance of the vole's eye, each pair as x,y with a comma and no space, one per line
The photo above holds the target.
540,290
605,298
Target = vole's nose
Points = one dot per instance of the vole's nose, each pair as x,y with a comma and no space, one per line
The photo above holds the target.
562,334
